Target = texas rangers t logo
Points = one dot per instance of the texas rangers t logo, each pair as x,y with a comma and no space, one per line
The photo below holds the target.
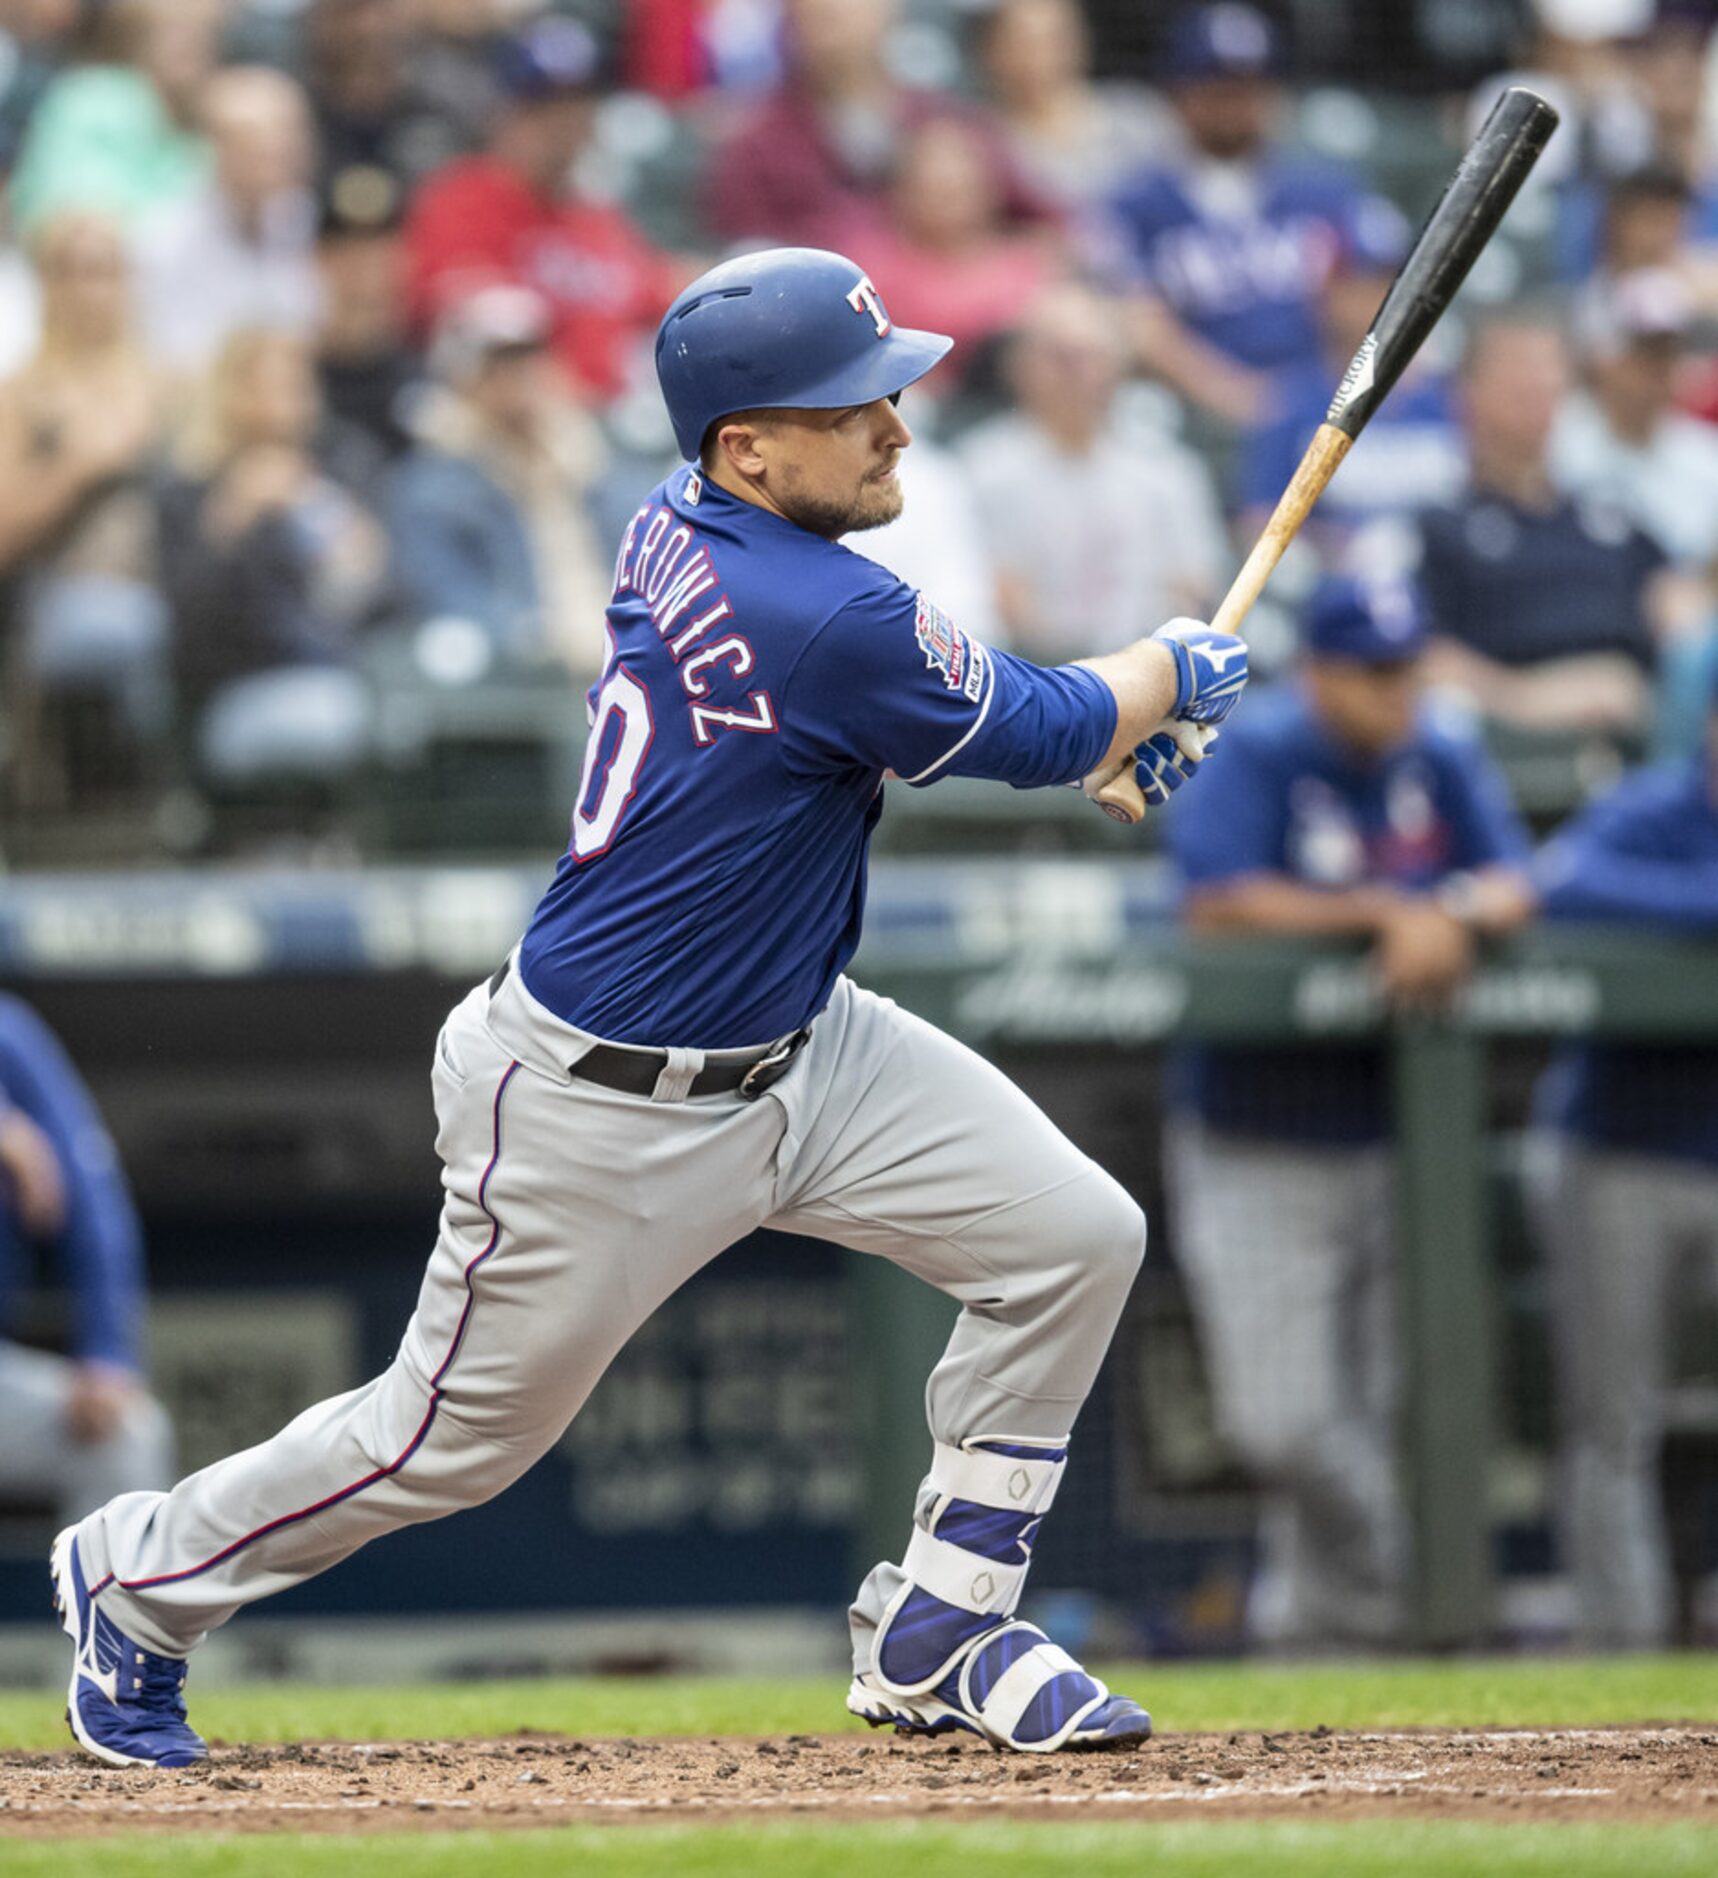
865,299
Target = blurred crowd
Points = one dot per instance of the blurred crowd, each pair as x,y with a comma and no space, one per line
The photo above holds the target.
325,350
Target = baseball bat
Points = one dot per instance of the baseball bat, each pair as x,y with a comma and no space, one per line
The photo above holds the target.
1467,214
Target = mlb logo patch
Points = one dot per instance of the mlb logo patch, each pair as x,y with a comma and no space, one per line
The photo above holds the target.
947,650
694,489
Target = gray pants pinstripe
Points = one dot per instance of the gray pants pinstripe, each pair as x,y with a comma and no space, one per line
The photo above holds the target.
1288,1256
1620,1232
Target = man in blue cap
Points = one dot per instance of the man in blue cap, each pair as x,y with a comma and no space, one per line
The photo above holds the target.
1228,245
674,1056
1624,1178
1339,809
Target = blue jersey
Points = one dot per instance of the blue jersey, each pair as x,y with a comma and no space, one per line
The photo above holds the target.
1279,797
100,1248
1409,455
1645,855
1246,277
760,683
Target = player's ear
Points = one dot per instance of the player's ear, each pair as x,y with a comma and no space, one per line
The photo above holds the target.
737,442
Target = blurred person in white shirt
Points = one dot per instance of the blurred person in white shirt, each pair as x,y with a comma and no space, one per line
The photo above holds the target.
1620,437
1095,530
240,252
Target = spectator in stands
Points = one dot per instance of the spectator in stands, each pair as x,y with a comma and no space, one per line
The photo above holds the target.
371,111
1093,529
120,134
370,369
820,154
490,515
1638,224
1336,806
1621,439
1227,245
1072,141
820,149
239,251
1544,606
1410,454
514,214
83,430
946,259
82,1426
1625,1185
273,567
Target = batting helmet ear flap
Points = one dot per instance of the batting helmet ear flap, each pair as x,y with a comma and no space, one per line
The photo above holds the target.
787,328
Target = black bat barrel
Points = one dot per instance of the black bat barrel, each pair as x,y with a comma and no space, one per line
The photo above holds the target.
1468,212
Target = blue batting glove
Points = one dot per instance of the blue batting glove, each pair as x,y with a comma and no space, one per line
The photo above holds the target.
1168,758
1210,670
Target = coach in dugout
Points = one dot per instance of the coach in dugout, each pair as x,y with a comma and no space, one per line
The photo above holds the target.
74,1429
1624,1183
1340,808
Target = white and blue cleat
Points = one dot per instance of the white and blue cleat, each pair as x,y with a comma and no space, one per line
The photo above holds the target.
1014,1688
126,1705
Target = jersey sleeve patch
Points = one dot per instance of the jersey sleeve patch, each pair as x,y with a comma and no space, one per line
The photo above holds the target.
958,659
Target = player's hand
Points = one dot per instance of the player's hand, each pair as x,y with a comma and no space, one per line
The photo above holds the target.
101,1397
1210,670
1423,955
1168,757
30,1169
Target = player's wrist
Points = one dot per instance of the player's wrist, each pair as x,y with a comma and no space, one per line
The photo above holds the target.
1174,675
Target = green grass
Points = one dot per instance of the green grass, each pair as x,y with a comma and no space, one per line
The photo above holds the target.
1176,1849
1491,1692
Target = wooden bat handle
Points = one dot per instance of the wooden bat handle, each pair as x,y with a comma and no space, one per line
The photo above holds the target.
1118,794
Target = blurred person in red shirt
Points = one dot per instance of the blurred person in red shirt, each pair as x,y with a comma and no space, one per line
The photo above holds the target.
947,259
514,214
814,162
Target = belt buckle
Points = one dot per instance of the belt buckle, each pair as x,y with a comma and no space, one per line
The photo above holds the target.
769,1066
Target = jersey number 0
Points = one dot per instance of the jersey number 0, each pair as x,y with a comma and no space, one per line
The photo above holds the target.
607,786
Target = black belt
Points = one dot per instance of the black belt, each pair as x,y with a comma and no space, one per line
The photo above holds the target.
635,1072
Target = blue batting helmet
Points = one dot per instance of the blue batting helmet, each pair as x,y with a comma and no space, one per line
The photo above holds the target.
795,328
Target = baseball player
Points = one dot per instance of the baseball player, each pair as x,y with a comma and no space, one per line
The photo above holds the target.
1341,807
81,1426
673,1057
1623,1181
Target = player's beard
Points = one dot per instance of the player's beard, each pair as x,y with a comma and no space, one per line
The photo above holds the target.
876,504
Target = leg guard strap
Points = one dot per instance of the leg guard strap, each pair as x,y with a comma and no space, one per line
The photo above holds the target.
1013,1476
965,1579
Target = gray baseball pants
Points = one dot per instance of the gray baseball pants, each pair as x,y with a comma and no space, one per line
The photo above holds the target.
1620,1232
1288,1256
39,1455
572,1211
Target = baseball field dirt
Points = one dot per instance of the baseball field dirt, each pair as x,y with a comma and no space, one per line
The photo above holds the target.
1657,1774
